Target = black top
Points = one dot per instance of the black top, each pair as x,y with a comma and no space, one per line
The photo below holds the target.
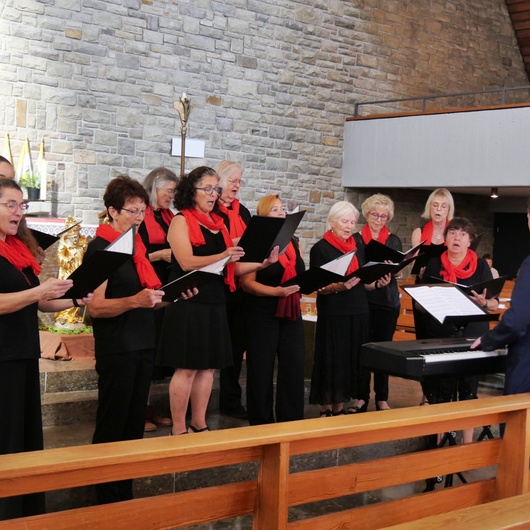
19,331
429,327
386,297
212,292
352,302
271,276
132,330
161,267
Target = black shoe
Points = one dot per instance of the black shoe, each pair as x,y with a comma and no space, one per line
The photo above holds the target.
239,412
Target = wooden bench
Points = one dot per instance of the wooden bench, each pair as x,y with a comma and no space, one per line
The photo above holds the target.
279,485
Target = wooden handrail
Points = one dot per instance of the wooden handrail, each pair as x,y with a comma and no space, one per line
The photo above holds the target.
276,488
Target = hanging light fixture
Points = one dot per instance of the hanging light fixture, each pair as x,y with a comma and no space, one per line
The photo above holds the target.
494,193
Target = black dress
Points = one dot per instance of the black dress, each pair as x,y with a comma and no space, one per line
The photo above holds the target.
384,307
270,337
428,327
195,333
342,327
20,403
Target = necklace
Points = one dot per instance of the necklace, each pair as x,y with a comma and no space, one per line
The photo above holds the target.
438,236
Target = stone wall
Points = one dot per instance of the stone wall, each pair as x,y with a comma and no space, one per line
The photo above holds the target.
271,84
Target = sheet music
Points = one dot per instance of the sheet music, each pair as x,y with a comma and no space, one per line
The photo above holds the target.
216,267
442,302
124,244
339,265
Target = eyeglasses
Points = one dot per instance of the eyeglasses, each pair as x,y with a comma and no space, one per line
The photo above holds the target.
376,216
169,191
13,205
210,190
236,182
135,212
277,209
440,205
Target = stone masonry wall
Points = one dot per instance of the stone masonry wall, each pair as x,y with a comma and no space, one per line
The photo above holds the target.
271,83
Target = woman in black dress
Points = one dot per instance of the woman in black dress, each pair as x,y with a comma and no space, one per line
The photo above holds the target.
384,302
274,318
160,185
343,322
458,264
21,295
195,339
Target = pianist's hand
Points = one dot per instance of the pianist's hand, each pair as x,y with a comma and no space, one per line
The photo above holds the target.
476,344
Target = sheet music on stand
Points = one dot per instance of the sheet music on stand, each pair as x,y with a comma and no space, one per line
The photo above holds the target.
448,304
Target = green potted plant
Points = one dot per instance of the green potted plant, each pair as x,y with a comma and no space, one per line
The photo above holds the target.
31,181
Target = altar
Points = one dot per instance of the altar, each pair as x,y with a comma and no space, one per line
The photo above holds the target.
65,347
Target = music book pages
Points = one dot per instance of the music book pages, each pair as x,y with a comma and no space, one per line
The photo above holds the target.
443,301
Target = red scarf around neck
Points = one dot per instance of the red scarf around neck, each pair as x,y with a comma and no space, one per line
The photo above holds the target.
237,225
366,234
344,247
157,235
427,232
453,273
146,273
195,219
18,254
288,306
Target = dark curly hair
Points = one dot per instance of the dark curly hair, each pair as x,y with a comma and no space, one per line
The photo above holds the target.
121,189
185,192
461,223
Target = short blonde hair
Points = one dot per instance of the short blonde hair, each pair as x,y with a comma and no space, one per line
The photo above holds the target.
342,209
445,194
381,201
265,204
225,169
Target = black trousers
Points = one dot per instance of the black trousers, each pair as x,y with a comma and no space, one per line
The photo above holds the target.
382,326
269,339
21,427
123,388
229,386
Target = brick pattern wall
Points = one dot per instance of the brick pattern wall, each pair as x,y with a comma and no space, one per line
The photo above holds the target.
271,83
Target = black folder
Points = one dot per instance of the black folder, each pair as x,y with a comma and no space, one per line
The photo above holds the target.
315,278
193,279
375,251
372,271
47,240
493,287
476,242
427,252
264,233
97,267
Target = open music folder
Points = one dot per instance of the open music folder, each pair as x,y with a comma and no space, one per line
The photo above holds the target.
448,304
372,271
493,287
264,233
101,264
375,251
193,279
315,278
47,240
427,252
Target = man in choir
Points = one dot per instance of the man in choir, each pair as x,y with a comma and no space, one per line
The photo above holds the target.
514,331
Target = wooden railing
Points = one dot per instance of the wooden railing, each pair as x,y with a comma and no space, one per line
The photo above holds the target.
276,488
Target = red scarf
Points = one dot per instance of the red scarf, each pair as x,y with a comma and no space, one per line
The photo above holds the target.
344,247
366,234
195,219
288,306
427,231
466,269
18,254
237,225
146,273
155,232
